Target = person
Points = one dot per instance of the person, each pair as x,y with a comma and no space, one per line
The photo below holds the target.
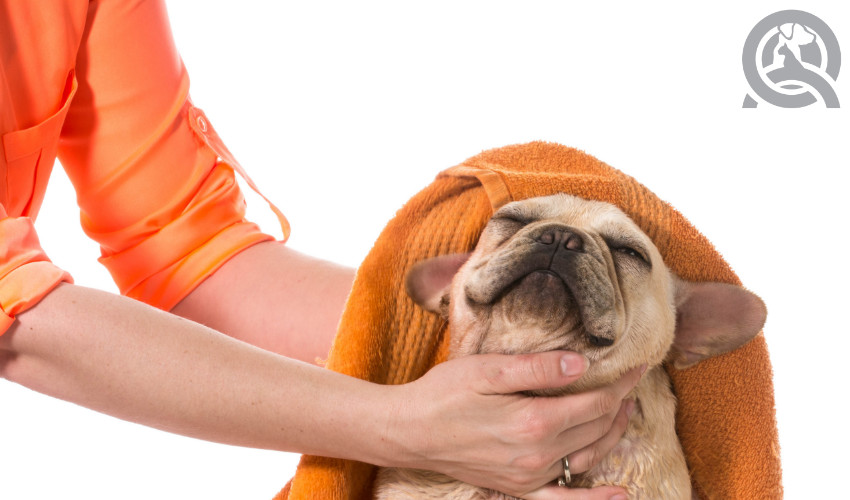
100,84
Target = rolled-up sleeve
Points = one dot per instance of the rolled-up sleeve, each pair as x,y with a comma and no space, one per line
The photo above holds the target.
26,274
154,189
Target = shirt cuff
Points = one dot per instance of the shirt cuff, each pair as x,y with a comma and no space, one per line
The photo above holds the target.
26,274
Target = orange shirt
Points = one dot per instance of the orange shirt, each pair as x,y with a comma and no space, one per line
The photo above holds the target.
101,84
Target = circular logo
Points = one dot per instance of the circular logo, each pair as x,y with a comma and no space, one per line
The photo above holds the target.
791,59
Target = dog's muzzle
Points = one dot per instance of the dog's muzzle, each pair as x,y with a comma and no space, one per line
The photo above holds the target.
568,253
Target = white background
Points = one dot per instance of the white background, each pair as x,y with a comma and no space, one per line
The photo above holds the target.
343,110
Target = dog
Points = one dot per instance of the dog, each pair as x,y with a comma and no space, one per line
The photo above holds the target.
563,273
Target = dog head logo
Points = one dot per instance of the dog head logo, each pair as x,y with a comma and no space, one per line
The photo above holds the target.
791,59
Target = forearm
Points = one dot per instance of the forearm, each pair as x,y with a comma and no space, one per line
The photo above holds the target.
466,417
273,297
134,362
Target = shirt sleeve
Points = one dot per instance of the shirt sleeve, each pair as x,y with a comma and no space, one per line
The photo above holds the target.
26,274
155,185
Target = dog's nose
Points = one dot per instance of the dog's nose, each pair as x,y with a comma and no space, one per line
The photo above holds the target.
561,236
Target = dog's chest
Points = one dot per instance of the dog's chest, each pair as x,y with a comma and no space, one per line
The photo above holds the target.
648,461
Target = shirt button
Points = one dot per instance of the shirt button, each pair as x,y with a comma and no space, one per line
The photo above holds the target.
202,124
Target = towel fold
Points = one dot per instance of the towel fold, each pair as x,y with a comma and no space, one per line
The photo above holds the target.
725,418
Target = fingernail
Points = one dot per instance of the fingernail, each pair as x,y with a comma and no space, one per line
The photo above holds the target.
642,369
572,364
619,496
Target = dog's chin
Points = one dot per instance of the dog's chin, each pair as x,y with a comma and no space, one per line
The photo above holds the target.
540,301
534,314
538,313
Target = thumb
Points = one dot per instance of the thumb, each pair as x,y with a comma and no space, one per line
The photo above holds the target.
509,374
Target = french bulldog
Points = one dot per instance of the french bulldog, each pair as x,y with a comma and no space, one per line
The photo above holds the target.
563,273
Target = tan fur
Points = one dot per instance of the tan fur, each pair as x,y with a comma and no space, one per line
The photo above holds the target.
595,290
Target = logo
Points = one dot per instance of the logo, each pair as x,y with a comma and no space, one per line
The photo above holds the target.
791,59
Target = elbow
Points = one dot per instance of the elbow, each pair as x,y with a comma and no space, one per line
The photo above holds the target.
12,365
7,364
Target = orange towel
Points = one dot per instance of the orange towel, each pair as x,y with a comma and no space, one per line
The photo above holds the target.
725,419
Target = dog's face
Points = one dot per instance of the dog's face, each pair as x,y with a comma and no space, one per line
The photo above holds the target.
560,272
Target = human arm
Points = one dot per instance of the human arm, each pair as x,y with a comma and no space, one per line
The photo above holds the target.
129,360
274,297
126,359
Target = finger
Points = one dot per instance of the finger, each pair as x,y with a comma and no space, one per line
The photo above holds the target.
586,457
594,432
558,493
588,406
509,374
589,456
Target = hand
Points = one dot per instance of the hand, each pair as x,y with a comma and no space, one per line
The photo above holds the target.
466,418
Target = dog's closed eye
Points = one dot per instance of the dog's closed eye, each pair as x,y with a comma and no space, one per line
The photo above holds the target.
512,218
506,225
631,250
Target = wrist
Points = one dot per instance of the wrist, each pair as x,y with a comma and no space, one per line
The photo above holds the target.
409,425
394,428
368,421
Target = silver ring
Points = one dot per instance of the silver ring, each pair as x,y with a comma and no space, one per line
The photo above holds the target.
563,481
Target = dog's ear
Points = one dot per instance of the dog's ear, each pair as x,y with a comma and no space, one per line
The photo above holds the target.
713,318
429,281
